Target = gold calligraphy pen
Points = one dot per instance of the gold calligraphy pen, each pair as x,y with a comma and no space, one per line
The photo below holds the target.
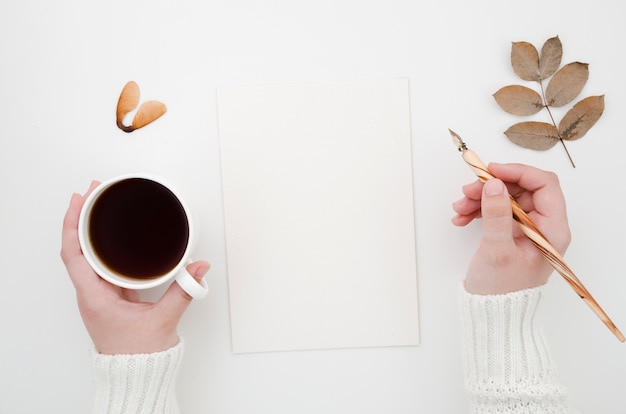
534,234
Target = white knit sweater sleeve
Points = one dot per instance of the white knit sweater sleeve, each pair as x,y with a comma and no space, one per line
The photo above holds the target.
138,383
508,368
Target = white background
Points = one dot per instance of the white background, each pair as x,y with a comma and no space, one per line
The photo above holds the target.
62,66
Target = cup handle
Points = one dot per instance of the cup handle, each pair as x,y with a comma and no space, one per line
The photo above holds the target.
195,289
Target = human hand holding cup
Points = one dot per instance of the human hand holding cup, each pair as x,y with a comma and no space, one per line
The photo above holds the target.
136,232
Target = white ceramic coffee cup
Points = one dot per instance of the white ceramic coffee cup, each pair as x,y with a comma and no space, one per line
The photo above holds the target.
177,272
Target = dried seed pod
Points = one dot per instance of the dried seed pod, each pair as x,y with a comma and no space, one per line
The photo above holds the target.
129,99
149,111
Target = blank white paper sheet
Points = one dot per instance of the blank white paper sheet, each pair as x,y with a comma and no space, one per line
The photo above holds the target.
319,215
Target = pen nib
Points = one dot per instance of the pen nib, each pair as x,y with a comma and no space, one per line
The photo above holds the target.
458,142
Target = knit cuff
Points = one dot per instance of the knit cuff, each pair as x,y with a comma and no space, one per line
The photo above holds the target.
506,359
137,383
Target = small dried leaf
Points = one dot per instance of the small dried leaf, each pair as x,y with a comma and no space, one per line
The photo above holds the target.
519,100
525,61
567,83
533,135
550,59
578,120
149,111
128,101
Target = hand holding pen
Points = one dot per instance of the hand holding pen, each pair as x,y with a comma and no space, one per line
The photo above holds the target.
546,206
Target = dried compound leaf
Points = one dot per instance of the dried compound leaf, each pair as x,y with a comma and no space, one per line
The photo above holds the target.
519,100
149,111
550,59
127,102
578,120
533,135
566,84
525,61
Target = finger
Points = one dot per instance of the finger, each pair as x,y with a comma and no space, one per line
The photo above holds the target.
71,253
526,178
464,219
547,197
466,206
466,211
69,241
175,300
497,213
473,190
69,235
470,204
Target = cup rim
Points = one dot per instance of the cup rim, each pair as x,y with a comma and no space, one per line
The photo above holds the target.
102,270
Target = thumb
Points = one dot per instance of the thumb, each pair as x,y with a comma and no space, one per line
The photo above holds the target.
496,212
175,300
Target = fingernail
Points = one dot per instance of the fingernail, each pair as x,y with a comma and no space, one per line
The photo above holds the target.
494,187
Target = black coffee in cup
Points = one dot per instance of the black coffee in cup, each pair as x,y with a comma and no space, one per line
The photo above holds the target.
138,228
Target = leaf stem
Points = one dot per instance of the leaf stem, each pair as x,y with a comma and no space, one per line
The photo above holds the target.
545,105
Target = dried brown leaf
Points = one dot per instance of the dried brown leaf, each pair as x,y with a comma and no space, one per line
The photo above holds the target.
525,61
128,101
567,83
563,86
578,120
550,59
519,100
149,111
533,135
